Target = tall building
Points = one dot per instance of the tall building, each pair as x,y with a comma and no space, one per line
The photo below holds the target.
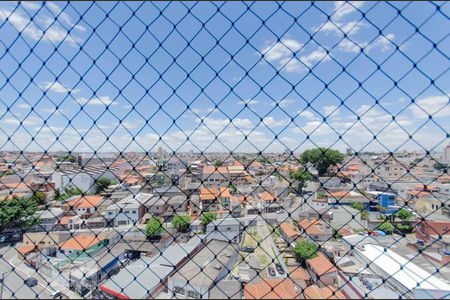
447,153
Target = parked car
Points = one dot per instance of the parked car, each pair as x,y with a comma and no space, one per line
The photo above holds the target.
271,271
280,269
248,249
31,282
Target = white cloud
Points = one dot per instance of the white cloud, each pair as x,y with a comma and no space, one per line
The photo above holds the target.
28,28
330,109
344,8
308,115
384,42
200,111
283,53
243,123
57,87
248,102
132,124
352,46
51,110
23,106
102,100
281,50
437,106
271,122
27,121
315,56
284,103
341,28
62,16
30,5
49,129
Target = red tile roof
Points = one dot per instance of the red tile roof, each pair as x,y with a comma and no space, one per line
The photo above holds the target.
289,230
271,289
266,196
315,292
81,242
86,201
320,265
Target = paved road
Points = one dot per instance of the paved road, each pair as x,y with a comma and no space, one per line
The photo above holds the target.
269,246
13,286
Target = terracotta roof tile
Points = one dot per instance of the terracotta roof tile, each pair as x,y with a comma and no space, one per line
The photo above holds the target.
271,289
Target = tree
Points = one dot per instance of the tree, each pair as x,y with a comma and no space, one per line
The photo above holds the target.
66,157
404,228
68,192
154,227
217,163
181,223
387,227
17,212
38,197
440,166
301,176
336,234
358,205
364,214
404,214
102,183
305,250
322,159
207,217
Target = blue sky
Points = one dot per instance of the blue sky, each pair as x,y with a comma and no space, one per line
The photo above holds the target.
263,65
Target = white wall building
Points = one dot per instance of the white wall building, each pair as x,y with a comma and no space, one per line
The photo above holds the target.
401,274
82,178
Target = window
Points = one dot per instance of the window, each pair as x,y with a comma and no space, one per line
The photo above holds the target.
178,290
193,294
134,212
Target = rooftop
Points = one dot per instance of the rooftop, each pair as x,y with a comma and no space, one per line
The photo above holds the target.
275,288
321,265
204,267
81,242
402,270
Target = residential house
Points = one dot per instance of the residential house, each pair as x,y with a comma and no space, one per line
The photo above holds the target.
198,275
85,206
226,229
215,176
432,232
269,202
127,211
347,198
273,288
322,271
215,199
289,233
137,281
316,230
424,199
81,246
83,178
316,292
44,239
48,219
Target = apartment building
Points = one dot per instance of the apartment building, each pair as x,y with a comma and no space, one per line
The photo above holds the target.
127,211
